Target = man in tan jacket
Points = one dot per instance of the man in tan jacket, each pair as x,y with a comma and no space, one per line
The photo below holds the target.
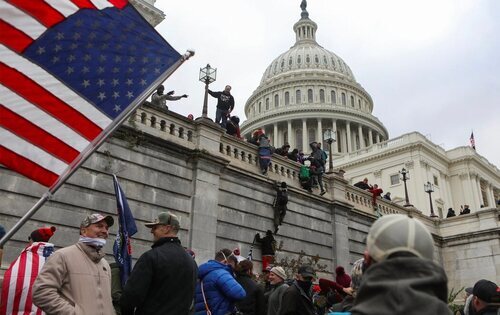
77,279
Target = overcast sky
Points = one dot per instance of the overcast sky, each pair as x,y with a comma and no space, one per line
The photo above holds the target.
431,66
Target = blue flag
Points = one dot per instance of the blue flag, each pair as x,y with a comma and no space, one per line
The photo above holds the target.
126,229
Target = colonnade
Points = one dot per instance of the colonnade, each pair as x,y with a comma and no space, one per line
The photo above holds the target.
350,136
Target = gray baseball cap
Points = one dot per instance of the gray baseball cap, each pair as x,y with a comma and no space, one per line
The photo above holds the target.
97,217
165,218
399,233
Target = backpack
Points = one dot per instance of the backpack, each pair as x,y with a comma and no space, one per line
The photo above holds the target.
304,173
324,157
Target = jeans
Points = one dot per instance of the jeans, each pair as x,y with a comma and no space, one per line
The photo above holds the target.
221,117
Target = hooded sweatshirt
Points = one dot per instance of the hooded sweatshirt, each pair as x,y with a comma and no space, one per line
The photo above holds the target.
403,285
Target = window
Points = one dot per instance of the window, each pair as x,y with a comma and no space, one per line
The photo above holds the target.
308,59
325,61
310,96
298,97
282,64
334,97
322,95
276,100
298,139
290,61
260,107
352,101
267,103
299,60
359,104
343,99
436,182
316,59
287,98
394,179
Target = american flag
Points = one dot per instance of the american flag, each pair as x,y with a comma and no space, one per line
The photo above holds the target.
19,278
472,141
70,71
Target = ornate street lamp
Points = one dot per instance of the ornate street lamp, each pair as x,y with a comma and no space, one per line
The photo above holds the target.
329,137
429,189
207,76
405,173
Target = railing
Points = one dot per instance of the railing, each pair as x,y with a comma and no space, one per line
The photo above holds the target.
362,200
172,127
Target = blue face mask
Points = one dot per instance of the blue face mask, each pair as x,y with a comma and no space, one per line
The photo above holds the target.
97,242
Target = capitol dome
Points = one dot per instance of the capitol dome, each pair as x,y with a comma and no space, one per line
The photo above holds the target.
308,90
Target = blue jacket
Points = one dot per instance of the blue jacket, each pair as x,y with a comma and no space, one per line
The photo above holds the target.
220,287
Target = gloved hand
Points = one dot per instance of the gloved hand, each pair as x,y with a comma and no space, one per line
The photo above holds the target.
185,95
170,93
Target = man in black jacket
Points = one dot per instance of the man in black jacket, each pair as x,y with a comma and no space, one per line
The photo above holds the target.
253,303
297,299
225,105
164,278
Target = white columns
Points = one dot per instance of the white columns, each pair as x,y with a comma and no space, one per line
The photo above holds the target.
291,138
319,132
304,136
370,137
490,194
361,139
343,138
477,182
275,135
378,137
334,129
348,131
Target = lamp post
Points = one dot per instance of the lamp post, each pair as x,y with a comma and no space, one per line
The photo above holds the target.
329,137
405,173
207,76
429,189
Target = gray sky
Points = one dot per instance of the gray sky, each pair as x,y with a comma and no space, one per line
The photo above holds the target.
431,66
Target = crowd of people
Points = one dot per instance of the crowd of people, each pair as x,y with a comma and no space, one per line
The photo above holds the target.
397,275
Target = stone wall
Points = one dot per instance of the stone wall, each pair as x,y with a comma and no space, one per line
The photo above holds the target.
211,181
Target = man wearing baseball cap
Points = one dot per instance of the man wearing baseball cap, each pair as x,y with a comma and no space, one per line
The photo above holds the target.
401,276
297,299
277,277
164,278
77,279
486,300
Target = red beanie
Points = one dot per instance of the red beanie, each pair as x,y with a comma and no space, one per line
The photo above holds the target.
42,234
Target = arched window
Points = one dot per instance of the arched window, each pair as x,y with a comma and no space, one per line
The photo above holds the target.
359,104
267,103
298,139
344,101
276,100
260,107
310,95
316,59
298,97
287,98
334,97
352,101
299,60
282,64
325,61
290,61
311,135
322,95
308,59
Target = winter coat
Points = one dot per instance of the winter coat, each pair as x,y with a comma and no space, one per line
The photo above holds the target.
362,185
342,278
220,287
403,285
154,284
275,298
75,280
224,101
253,303
296,301
267,244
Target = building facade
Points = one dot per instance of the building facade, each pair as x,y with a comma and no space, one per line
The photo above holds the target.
308,90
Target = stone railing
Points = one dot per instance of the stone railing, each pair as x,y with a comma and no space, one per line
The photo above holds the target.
362,200
164,124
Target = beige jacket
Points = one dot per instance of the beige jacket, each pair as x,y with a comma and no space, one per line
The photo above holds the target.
75,280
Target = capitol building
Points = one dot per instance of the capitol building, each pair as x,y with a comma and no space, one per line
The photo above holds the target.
308,90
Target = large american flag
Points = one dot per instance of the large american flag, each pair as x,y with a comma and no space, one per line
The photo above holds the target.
69,70
16,298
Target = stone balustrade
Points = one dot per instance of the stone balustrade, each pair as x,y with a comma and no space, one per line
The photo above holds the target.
362,200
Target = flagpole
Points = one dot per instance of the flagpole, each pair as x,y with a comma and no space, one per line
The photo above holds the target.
94,145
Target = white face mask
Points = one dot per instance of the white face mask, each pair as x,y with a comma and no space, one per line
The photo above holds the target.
97,242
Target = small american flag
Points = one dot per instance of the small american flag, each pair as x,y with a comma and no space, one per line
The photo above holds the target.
472,141
18,280
70,70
